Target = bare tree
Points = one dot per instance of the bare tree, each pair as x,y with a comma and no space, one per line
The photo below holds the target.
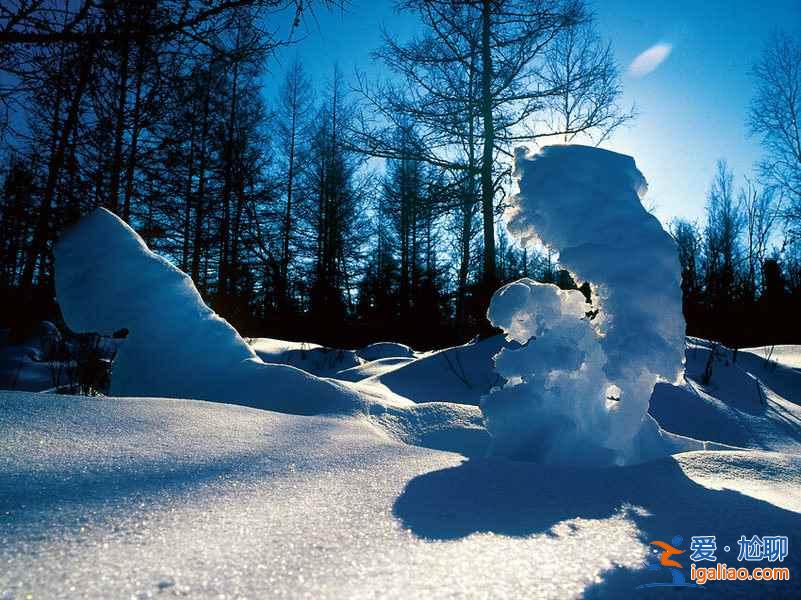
583,71
62,133
103,51
484,76
295,104
760,211
435,93
723,228
775,117
337,188
688,240
46,22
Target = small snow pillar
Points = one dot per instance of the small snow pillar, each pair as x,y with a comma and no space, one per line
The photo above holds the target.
579,390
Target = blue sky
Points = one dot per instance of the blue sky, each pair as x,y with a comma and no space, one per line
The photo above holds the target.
692,106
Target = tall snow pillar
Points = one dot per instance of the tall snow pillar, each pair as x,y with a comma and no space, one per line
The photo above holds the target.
579,390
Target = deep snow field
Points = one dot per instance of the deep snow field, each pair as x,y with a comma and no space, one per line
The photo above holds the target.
539,463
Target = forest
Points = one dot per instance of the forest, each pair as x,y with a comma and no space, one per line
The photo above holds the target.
355,209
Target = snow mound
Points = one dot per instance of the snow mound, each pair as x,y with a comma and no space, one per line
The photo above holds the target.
381,350
737,399
461,374
107,280
271,347
375,368
177,347
578,390
788,355
312,358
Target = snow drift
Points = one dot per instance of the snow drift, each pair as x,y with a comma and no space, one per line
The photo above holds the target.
578,390
460,374
379,350
177,347
162,498
107,280
312,358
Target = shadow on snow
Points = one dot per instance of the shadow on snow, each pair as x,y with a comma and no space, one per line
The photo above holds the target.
519,499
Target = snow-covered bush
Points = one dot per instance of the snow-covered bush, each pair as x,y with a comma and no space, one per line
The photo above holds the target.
578,390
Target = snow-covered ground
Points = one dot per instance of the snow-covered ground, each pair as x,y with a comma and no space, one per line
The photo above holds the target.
312,358
748,402
788,356
151,497
154,497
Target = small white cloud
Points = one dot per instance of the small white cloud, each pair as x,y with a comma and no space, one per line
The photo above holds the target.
649,60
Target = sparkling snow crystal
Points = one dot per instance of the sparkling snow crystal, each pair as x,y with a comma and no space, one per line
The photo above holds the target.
578,391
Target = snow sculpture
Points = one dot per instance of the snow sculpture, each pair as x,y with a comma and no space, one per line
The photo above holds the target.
107,279
578,390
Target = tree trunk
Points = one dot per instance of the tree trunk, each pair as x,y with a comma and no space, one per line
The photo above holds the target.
119,127
487,184
225,225
201,192
136,128
404,231
464,262
53,171
187,225
284,291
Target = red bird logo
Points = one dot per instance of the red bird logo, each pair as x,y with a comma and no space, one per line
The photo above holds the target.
664,557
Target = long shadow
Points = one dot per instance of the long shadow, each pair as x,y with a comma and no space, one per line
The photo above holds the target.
670,405
785,381
518,499
52,499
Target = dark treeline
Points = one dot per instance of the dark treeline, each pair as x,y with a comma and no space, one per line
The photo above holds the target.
336,211
738,286
741,268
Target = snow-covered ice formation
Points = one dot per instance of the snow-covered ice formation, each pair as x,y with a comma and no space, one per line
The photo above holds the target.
107,280
578,390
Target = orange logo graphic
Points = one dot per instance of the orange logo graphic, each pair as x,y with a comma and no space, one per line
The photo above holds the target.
664,557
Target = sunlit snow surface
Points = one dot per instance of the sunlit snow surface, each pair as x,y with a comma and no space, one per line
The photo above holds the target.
578,391
119,498
788,356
